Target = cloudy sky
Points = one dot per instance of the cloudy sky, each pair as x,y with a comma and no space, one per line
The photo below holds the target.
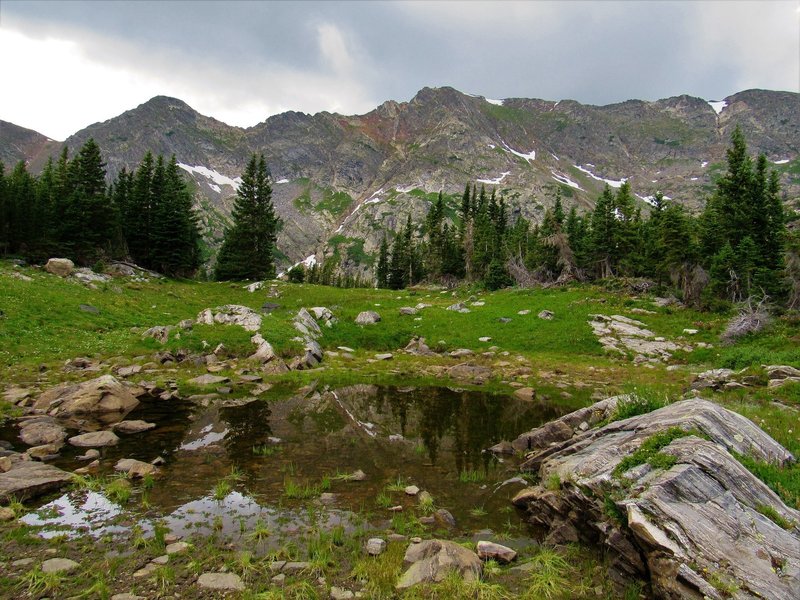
69,64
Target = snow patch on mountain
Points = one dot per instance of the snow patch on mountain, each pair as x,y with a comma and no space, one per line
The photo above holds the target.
404,189
215,176
215,187
614,183
529,156
783,161
282,181
561,178
495,102
496,180
704,164
718,105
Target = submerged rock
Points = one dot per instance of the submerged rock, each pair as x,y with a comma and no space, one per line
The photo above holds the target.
693,512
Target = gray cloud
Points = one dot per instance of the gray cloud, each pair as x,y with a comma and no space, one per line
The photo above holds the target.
241,61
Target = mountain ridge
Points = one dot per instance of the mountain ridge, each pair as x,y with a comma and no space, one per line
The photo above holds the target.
351,176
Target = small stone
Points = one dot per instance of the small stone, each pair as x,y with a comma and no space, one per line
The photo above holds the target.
23,562
160,560
490,550
177,548
6,514
396,537
525,393
524,312
411,490
398,508
367,317
134,468
375,546
415,540
384,356
59,565
279,579
485,339
220,581
294,567
358,475
690,331
127,596
546,315
338,593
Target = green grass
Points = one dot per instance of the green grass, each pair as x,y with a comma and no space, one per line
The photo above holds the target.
649,451
775,517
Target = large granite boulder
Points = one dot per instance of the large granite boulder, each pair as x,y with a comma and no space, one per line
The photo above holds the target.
104,398
62,267
683,511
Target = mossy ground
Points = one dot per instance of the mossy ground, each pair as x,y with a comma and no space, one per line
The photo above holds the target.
42,324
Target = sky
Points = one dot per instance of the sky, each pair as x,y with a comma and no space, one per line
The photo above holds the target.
67,65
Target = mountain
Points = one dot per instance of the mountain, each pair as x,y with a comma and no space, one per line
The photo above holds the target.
18,143
339,181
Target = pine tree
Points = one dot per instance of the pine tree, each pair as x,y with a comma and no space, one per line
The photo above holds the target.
248,248
382,270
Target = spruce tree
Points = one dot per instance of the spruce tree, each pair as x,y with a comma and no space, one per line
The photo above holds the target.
248,247
382,270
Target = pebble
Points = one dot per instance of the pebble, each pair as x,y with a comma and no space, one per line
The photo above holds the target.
160,560
59,565
220,581
412,490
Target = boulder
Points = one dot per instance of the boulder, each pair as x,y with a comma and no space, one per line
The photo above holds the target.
781,372
432,561
62,267
94,439
408,310
100,396
367,317
231,314
546,315
135,426
160,333
28,479
492,551
694,517
40,431
525,393
264,351
418,346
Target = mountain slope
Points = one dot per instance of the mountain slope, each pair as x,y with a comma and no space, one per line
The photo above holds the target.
18,143
341,180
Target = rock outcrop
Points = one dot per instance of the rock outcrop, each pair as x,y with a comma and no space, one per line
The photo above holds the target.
624,335
683,511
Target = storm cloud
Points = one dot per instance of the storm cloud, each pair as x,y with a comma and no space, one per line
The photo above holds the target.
68,64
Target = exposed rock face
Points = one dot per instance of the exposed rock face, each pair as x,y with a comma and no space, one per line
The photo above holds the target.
622,334
104,395
701,515
231,314
62,267
432,560
28,479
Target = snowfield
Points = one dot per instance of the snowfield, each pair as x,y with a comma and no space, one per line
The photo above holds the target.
215,176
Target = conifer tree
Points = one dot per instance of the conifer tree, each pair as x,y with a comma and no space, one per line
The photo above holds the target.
248,248
382,270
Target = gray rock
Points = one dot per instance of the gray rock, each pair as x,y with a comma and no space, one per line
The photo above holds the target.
546,315
135,426
367,317
62,267
128,371
38,432
408,310
221,581
492,551
89,309
59,565
461,352
384,356
94,439
177,548
127,596
411,490
160,333
208,379
375,546
706,510
471,373
338,593
445,517
432,561
104,395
